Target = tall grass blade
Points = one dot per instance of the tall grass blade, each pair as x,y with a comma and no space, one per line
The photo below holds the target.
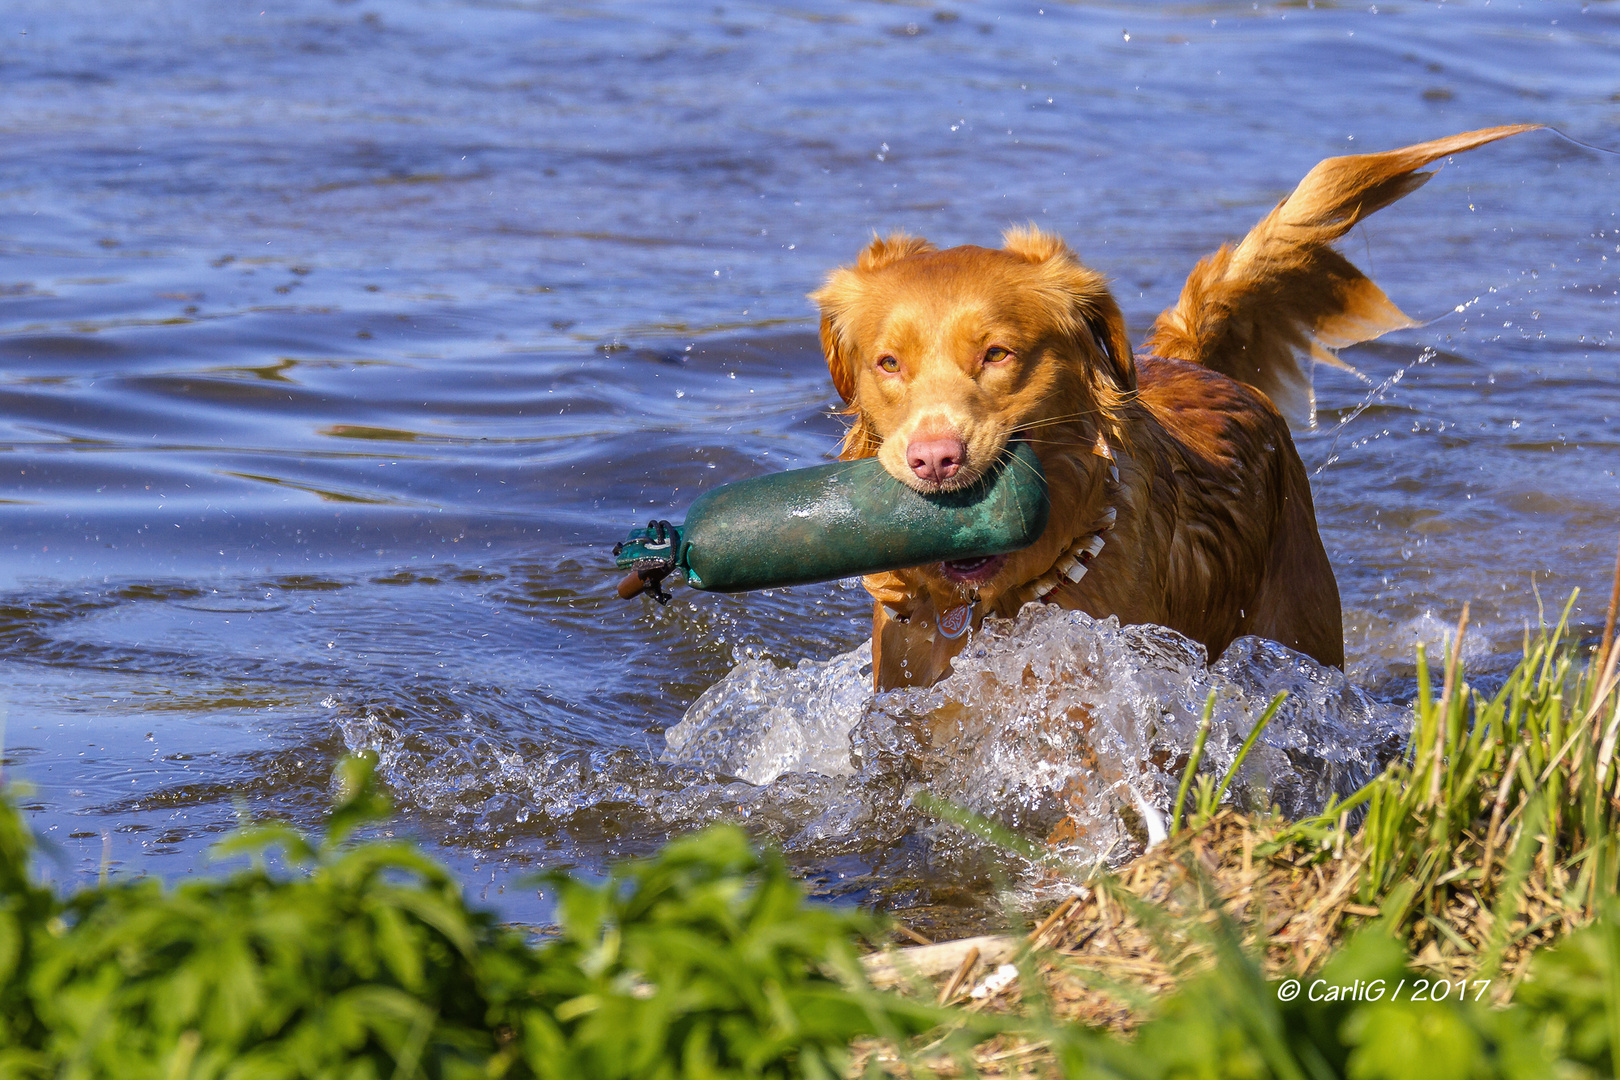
1193,761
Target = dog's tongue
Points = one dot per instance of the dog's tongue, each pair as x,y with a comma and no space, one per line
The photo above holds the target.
973,571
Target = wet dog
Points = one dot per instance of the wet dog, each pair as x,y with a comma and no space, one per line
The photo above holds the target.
1177,495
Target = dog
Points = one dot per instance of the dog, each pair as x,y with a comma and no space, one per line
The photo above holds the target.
1177,495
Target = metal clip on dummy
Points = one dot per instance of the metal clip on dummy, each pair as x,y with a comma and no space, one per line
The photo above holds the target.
651,555
834,521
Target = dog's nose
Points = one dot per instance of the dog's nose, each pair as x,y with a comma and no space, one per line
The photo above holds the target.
935,458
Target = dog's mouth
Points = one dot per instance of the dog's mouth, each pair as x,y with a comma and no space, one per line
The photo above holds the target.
962,480
973,571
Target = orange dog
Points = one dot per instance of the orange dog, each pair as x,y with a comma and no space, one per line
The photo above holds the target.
1177,495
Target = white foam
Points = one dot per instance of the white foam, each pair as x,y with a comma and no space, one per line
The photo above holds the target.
1049,715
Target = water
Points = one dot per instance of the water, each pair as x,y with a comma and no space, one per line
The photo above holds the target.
1052,724
339,341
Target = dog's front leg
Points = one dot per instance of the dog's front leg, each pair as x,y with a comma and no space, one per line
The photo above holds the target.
902,646
908,648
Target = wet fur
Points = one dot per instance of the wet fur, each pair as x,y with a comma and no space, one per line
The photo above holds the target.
1215,534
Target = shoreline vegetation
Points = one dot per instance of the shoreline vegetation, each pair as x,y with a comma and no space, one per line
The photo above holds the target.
1457,916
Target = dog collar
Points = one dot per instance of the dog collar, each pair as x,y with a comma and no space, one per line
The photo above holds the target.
1073,564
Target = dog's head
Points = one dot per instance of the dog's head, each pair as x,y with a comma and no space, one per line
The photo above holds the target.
945,356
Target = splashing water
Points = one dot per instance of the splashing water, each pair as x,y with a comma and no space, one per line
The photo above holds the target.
761,721
1051,721
1054,724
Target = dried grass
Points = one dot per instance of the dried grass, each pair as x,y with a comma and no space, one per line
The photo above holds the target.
1122,941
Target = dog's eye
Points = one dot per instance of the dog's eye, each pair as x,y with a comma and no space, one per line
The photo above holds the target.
888,363
995,354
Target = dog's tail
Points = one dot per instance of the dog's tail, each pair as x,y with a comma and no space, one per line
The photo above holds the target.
1254,312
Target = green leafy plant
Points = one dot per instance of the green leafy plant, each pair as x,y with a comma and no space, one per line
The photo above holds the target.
25,909
702,962
361,959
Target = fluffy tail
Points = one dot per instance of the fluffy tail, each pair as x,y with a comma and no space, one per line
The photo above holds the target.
1254,312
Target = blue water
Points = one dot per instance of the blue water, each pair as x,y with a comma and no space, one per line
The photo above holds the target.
339,340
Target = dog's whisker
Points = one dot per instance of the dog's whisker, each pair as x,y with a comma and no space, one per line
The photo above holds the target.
1048,421
1007,453
1061,417
1060,444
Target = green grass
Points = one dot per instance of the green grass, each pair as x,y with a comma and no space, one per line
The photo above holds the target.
1504,807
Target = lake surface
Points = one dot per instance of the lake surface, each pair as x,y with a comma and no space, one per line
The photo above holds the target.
340,340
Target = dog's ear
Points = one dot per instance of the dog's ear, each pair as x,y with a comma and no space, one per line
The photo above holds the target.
1028,241
1084,299
834,298
859,441
839,292
1107,325
842,371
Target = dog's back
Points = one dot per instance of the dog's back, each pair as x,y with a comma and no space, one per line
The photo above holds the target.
1213,484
